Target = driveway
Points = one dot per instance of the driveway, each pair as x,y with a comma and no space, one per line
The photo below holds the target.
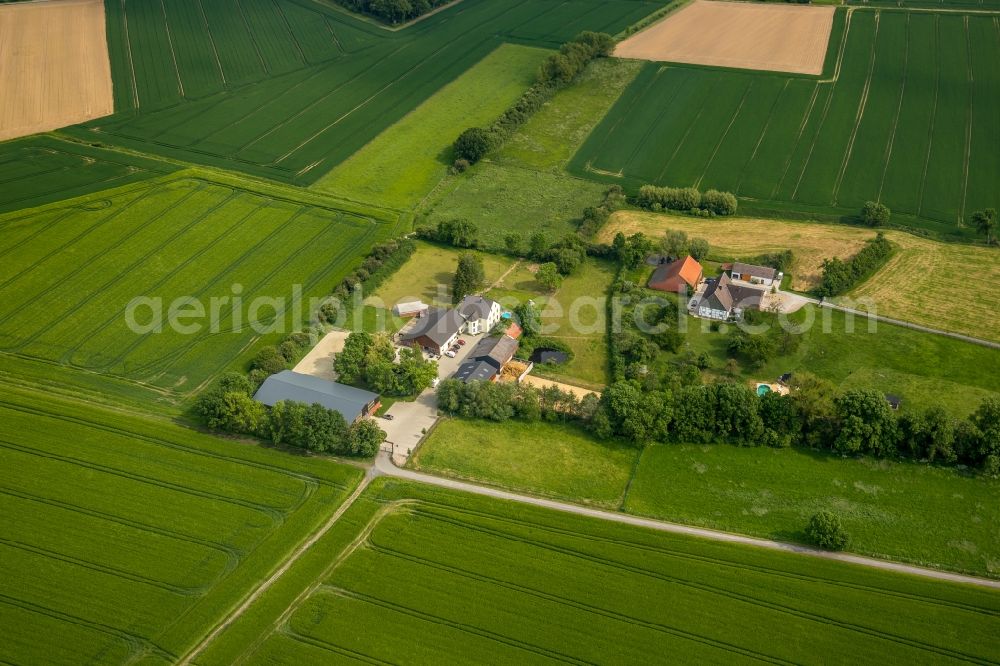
319,361
412,420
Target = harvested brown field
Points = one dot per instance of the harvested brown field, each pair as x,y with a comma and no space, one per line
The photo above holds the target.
54,67
942,285
745,238
772,37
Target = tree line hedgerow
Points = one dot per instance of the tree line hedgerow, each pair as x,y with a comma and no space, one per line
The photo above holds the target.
556,72
228,406
841,276
813,415
688,200
393,11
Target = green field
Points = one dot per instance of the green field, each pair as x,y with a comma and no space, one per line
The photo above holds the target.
70,270
128,539
449,578
289,90
763,492
540,458
909,118
405,162
41,170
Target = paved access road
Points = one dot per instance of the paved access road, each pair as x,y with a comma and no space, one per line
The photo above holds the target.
385,467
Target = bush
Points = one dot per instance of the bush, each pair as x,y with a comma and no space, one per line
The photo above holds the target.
461,165
269,360
720,203
826,531
472,145
841,276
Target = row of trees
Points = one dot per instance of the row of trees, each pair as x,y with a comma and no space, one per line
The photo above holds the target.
228,406
815,415
687,199
676,243
392,11
370,360
876,214
841,276
556,72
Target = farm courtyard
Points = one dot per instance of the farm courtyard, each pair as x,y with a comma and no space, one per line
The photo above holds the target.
202,200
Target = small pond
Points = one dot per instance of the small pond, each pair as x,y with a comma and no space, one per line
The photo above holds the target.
546,355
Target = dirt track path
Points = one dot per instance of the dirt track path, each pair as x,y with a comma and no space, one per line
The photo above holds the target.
383,466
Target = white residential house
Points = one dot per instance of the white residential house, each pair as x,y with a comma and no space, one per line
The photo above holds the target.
480,314
762,275
724,300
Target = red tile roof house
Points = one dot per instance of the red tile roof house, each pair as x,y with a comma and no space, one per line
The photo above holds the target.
679,277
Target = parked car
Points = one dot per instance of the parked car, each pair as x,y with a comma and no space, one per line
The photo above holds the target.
388,417
450,354
461,341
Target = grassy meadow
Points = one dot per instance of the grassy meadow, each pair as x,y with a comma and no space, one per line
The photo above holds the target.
552,136
773,492
127,538
405,162
428,275
538,458
908,119
70,271
472,576
763,492
506,199
925,282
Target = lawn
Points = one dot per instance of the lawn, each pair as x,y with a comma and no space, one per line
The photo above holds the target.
428,275
908,118
576,315
128,538
923,283
504,199
457,577
551,137
404,163
923,369
932,516
70,271
538,458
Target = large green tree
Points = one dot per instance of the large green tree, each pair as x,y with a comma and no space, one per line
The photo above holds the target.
470,277
985,222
